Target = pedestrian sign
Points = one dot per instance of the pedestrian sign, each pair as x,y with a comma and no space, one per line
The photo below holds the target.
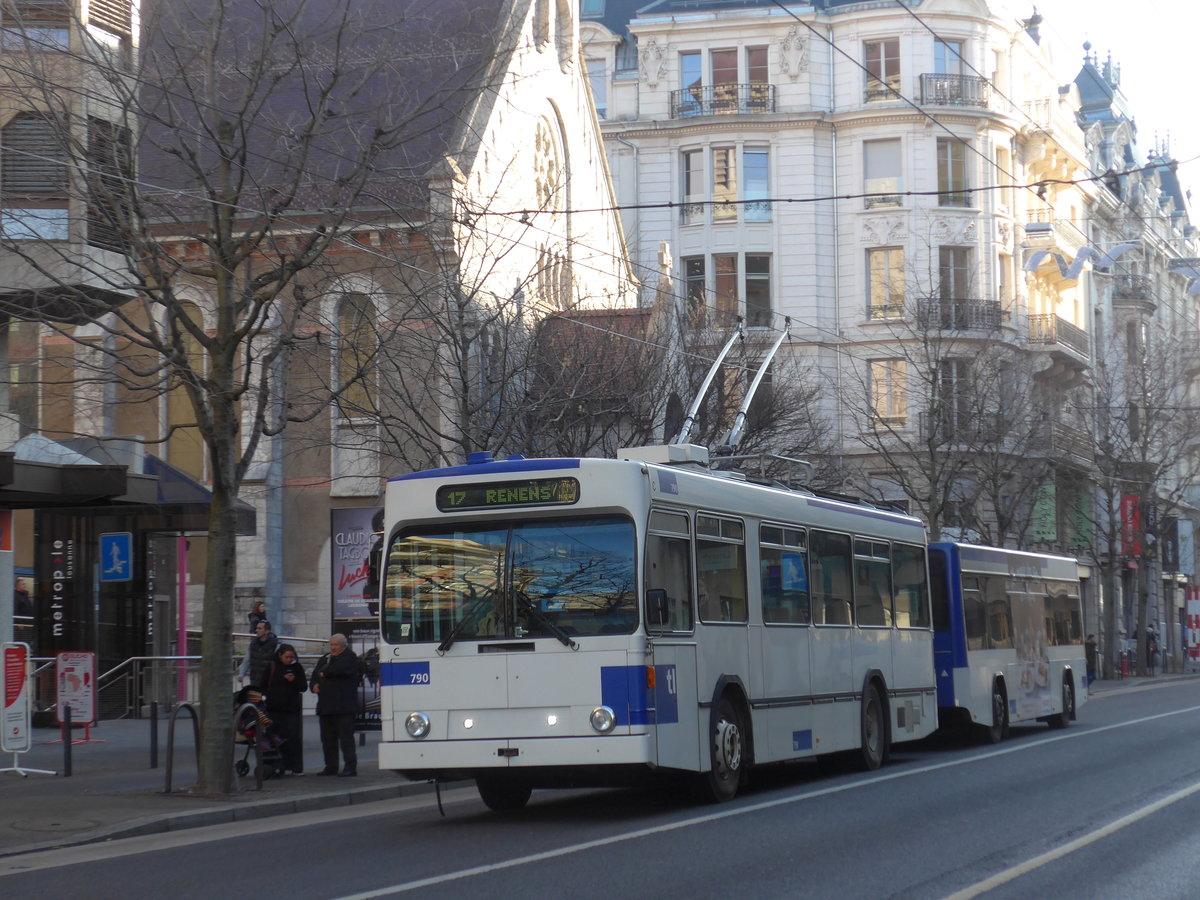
116,556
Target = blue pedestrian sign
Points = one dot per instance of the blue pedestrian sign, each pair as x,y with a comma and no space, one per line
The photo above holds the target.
116,556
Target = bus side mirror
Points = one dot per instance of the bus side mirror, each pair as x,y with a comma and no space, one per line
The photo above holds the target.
658,609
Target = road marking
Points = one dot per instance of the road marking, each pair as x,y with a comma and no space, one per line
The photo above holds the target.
407,886
85,853
1079,843
151,843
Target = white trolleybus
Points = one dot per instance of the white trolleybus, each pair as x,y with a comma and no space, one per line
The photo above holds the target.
1008,637
580,621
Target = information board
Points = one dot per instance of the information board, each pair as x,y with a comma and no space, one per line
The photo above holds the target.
15,720
75,681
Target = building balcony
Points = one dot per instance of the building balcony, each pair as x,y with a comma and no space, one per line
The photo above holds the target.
961,314
1045,231
1064,443
65,281
1134,291
954,90
1190,348
1066,345
722,100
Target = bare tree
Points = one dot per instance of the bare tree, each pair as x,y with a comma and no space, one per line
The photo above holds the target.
268,135
949,414
1144,417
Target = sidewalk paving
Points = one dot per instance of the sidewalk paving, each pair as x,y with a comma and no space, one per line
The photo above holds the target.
114,793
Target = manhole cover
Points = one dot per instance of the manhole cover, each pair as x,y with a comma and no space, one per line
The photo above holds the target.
55,823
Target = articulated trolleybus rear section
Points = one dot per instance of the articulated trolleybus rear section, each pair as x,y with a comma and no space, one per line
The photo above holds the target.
589,621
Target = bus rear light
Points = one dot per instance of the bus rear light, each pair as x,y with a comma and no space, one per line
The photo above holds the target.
603,719
417,725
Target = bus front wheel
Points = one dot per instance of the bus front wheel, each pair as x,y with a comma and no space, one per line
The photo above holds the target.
727,753
874,746
503,794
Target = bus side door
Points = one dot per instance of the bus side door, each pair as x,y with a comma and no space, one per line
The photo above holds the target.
679,735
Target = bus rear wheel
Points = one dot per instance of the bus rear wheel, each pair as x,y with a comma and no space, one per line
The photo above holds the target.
998,730
503,793
873,750
1063,719
727,754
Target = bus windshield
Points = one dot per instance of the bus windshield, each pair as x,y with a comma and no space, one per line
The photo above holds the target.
508,580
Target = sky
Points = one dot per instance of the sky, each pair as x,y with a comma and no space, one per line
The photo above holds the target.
1157,45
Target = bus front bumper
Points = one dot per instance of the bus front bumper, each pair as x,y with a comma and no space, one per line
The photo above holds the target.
613,749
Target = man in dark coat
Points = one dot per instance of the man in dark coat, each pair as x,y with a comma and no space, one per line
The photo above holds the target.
260,653
335,682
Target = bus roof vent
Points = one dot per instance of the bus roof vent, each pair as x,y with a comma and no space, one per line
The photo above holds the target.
479,457
667,454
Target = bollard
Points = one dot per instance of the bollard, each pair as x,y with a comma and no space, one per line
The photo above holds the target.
154,734
66,739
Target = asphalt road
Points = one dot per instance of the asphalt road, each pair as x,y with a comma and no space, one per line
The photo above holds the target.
1105,809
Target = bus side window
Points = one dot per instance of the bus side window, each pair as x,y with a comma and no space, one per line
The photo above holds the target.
911,586
830,558
668,568
999,612
974,614
721,569
783,575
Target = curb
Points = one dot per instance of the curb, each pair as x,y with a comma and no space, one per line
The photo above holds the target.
222,815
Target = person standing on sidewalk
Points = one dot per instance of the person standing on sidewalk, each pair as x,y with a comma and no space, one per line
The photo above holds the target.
259,654
1091,651
335,682
283,682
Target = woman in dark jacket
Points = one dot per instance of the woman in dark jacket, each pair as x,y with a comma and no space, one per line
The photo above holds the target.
283,682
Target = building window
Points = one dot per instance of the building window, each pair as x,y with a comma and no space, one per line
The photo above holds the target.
691,83
758,291
695,286
725,284
597,72
889,390
33,179
954,272
357,344
1004,178
691,170
756,207
882,173
109,184
948,57
883,69
952,396
36,25
952,172
885,266
724,184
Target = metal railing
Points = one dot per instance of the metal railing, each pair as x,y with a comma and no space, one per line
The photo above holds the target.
960,314
1050,329
1127,286
953,90
722,100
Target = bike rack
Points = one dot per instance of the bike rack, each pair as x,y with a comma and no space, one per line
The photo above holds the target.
175,711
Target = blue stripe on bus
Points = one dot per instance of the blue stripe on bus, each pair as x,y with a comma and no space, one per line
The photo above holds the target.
497,467
400,674
623,689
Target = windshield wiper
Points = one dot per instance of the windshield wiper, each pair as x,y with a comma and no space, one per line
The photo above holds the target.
535,611
475,606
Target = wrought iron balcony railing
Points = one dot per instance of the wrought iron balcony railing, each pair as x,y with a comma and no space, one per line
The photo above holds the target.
1127,286
954,90
959,314
722,100
1050,329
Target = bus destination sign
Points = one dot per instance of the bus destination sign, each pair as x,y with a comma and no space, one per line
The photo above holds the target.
508,494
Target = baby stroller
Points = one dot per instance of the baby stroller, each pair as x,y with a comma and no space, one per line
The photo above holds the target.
255,723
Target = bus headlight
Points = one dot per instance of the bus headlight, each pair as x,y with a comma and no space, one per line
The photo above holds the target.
603,719
417,724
